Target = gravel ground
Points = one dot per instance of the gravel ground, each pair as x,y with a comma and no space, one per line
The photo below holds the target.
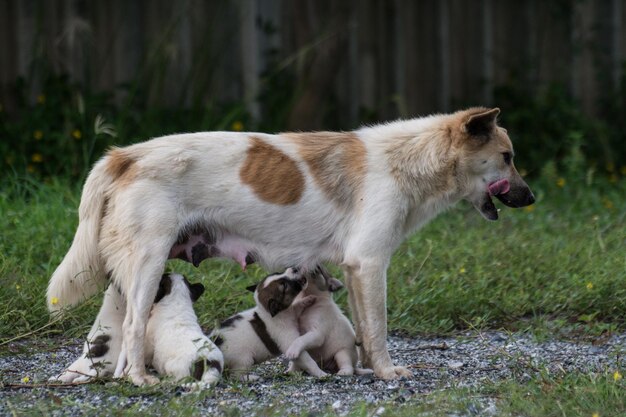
438,363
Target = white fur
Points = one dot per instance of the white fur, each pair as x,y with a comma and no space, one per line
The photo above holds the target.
187,178
242,347
108,323
326,333
175,341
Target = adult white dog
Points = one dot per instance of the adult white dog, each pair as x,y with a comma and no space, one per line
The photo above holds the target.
281,200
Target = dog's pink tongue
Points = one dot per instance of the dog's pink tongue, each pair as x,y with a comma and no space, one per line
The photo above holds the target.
499,187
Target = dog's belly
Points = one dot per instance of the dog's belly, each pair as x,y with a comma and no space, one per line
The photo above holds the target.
205,242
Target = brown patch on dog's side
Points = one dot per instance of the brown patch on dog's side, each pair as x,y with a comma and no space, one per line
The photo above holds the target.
273,176
260,329
337,161
121,166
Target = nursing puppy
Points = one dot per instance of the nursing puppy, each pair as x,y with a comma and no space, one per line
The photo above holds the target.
267,330
103,344
175,344
288,199
326,333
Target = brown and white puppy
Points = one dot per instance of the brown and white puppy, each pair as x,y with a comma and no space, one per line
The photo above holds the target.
288,199
267,330
325,332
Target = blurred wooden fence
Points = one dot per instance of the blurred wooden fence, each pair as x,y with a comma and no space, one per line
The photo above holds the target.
390,58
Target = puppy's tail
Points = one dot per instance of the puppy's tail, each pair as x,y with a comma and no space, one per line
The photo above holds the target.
81,274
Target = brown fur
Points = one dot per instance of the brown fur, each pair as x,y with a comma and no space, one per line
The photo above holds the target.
273,176
121,166
337,162
274,299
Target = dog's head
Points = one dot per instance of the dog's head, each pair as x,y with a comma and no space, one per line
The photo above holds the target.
175,283
276,292
485,166
323,281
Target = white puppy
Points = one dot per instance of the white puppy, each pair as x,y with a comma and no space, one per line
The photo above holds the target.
267,330
175,344
103,344
326,333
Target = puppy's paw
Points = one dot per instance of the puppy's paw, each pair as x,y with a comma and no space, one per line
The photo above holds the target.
143,379
393,372
345,372
293,352
308,301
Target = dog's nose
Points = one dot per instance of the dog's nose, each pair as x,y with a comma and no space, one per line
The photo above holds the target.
531,199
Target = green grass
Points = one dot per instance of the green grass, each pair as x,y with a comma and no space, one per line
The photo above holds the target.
563,262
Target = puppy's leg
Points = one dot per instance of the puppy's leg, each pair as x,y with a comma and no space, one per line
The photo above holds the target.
306,363
309,340
299,306
368,281
343,358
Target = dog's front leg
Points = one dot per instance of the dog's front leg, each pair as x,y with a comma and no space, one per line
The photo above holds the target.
367,285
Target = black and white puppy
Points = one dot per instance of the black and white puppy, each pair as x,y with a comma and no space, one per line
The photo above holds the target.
175,344
326,333
103,344
267,330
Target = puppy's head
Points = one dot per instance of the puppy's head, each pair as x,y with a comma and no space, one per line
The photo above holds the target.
278,291
323,281
175,283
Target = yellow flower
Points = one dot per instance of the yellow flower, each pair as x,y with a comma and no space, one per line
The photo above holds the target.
617,376
18,287
237,126
610,167
589,286
595,415
560,182
462,270
54,301
530,208
37,157
607,203
41,98
38,134
77,134
25,380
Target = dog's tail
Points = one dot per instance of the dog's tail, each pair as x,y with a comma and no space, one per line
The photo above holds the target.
81,274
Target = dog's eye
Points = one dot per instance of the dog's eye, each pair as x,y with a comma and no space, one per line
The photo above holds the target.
507,157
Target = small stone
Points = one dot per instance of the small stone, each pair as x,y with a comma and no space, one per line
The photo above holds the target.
455,364
336,405
379,411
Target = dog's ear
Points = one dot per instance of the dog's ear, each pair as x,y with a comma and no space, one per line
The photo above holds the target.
196,290
165,287
483,123
274,307
252,288
334,284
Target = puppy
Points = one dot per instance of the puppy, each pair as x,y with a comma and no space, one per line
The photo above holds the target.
267,330
175,343
326,333
103,344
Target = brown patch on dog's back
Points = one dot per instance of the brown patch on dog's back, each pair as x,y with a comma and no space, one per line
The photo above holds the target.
273,176
121,166
337,162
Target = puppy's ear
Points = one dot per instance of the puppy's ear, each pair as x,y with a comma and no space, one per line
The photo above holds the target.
252,288
334,284
196,290
274,307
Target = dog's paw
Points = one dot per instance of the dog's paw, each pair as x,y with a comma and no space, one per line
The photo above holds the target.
345,372
293,352
143,379
308,301
393,372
